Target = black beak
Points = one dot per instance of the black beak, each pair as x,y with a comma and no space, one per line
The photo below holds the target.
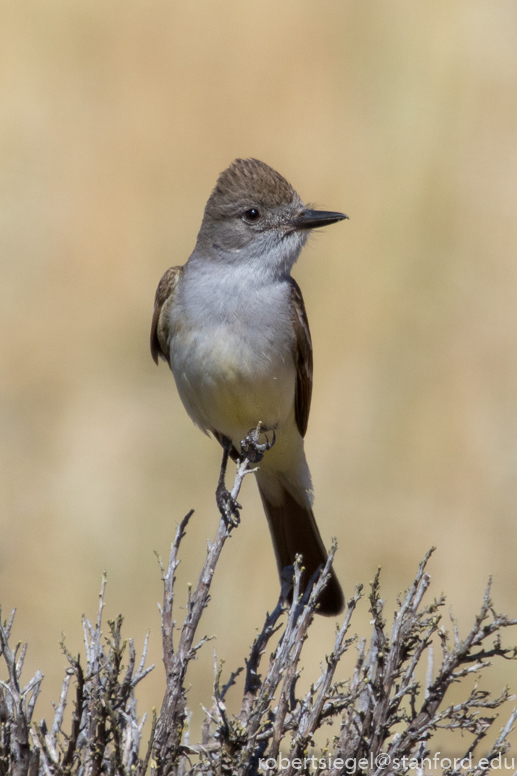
312,219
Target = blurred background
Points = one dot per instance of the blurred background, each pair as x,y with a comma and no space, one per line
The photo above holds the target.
116,120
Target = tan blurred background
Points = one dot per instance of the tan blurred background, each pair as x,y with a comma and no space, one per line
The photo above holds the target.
116,119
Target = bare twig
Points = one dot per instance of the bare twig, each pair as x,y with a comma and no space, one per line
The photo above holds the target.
173,712
385,716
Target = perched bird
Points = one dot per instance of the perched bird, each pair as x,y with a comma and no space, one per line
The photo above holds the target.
231,323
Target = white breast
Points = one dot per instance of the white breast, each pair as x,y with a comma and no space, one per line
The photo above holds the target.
231,350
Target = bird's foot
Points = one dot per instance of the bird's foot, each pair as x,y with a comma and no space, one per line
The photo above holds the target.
251,448
228,506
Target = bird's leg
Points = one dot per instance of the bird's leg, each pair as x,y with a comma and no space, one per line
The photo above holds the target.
251,447
228,507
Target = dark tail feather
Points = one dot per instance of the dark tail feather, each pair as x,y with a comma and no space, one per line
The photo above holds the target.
294,532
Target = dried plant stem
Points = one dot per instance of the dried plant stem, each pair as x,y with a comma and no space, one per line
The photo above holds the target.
173,711
385,717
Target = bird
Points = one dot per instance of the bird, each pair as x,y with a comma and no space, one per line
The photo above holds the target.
231,323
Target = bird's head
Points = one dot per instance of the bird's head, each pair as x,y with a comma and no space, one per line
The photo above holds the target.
254,213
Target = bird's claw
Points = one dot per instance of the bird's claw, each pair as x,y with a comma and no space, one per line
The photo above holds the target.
251,447
228,507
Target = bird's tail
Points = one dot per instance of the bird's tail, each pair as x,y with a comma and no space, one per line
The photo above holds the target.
294,532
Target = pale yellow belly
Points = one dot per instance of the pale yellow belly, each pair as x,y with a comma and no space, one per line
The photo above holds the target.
228,389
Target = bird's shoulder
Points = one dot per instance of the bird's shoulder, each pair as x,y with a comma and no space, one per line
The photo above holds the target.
302,351
163,299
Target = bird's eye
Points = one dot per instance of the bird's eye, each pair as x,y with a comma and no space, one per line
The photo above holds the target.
252,215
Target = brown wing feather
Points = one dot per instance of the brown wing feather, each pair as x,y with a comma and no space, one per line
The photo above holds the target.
163,299
302,358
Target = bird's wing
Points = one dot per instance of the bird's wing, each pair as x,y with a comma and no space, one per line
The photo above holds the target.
302,358
162,302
